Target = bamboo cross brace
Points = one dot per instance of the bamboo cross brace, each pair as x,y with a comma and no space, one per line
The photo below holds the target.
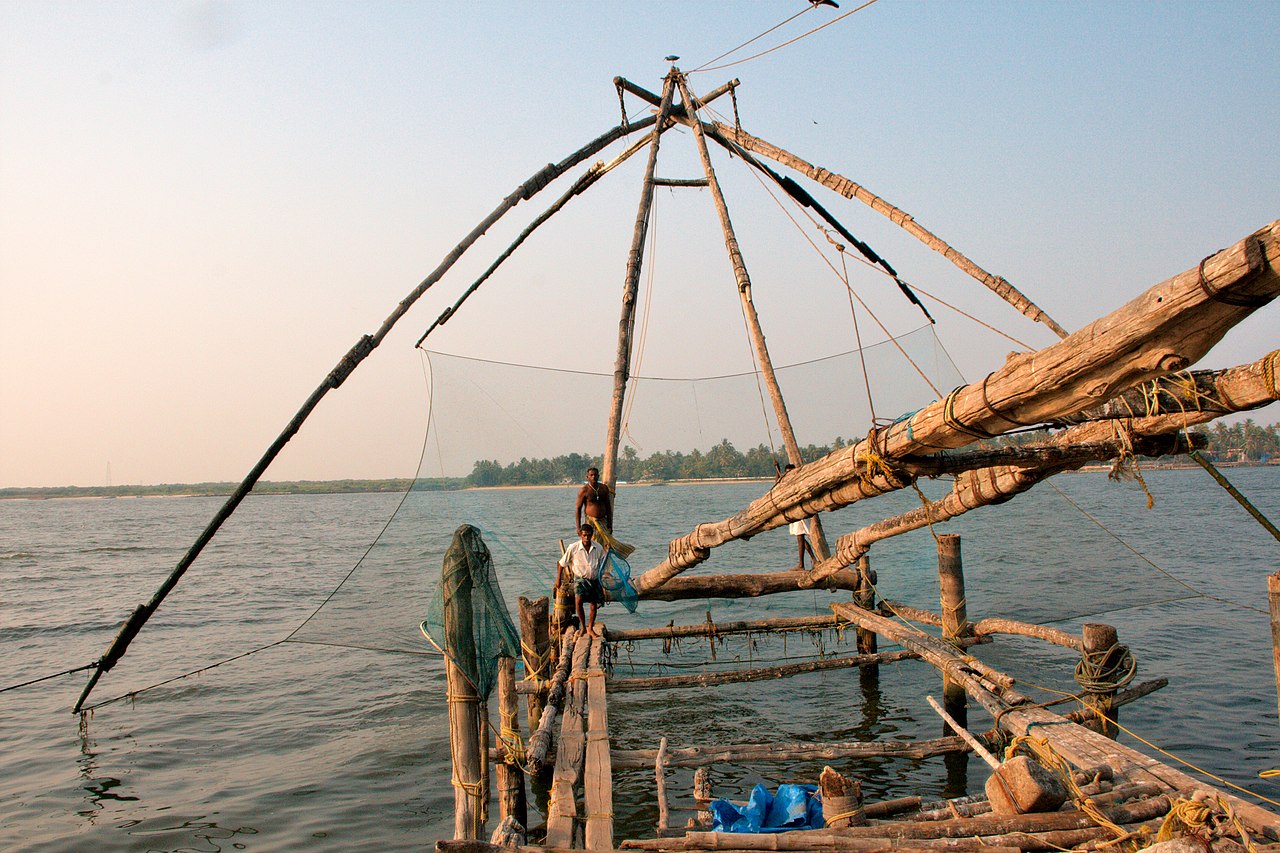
1164,329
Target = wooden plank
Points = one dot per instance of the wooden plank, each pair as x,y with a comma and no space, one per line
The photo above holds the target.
705,755
598,782
570,753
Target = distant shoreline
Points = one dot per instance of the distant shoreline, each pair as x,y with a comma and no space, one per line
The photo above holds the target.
397,486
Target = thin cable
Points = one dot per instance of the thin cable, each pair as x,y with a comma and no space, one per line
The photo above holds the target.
752,40
866,378
1146,559
48,677
919,289
836,272
651,227
791,41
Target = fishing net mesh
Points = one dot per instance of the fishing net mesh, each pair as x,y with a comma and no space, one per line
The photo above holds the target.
467,619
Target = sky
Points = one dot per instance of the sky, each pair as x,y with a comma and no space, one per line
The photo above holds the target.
204,205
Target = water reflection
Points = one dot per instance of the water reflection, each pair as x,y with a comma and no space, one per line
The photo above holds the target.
100,788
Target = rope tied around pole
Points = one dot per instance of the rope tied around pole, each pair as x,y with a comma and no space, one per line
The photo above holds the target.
1237,299
1106,669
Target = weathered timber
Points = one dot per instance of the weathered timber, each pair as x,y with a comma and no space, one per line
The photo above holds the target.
1101,651
1078,745
535,645
718,629
467,752
570,754
743,279
679,182
707,755
540,740
679,109
955,623
999,625
1162,330
597,782
865,597
660,781
348,363
630,287
841,800
744,585
510,778
733,137
764,673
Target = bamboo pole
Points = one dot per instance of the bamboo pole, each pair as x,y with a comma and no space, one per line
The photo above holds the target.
732,137
865,597
954,624
511,795
745,585
630,287
660,777
540,740
767,673
706,755
748,306
333,380
712,630
1163,330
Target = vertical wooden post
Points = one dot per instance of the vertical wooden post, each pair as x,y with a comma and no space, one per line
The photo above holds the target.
841,800
1273,597
627,323
1101,655
535,642
702,797
511,797
660,776
955,624
469,794
819,539
865,597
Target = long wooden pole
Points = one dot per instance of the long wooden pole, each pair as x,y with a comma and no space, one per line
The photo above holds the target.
630,287
732,137
1160,331
817,537
335,378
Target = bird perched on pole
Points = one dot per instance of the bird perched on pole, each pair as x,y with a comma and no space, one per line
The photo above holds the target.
832,3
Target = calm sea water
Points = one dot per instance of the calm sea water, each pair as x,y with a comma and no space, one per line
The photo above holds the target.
337,739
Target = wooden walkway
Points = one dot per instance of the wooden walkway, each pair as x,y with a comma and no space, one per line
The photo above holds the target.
582,759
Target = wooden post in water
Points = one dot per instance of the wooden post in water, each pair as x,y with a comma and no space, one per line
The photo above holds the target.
535,644
470,795
818,538
1101,655
865,597
955,625
1273,597
511,796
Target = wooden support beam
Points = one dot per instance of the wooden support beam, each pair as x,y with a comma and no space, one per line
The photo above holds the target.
767,673
535,643
630,287
718,629
540,741
745,586
679,182
790,751
511,795
1162,330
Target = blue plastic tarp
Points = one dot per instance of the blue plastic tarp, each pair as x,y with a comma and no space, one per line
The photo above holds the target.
793,807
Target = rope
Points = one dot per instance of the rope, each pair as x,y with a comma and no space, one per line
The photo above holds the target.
785,43
1241,300
47,677
1106,670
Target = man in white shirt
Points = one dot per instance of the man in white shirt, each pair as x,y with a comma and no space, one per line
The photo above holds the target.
584,559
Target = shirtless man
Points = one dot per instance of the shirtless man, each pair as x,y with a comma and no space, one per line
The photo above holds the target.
596,501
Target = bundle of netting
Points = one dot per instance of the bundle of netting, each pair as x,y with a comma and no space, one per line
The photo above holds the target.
468,619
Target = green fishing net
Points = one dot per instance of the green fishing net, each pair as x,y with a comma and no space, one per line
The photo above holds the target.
468,619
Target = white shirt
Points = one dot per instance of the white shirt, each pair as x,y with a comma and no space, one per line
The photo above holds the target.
583,563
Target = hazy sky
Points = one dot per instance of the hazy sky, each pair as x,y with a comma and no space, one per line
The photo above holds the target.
204,205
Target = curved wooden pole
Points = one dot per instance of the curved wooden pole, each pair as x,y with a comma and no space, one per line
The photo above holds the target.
336,377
